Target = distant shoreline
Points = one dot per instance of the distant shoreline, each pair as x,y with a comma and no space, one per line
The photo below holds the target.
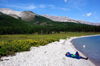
82,37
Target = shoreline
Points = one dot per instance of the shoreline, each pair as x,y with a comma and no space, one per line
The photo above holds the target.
52,54
79,50
83,53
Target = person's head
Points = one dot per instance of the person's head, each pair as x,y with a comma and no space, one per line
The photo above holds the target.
67,53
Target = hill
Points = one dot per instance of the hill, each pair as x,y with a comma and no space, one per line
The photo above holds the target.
10,25
48,26
40,20
29,22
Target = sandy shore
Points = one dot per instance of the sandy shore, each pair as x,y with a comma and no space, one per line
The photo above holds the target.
52,54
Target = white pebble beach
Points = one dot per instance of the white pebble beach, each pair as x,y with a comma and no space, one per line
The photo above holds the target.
52,54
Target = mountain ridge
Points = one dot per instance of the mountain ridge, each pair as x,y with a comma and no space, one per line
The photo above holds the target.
67,19
30,16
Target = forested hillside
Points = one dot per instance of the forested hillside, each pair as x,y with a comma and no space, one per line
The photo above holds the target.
10,25
47,26
42,25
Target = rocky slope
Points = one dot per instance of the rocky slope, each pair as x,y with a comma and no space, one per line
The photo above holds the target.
58,18
67,19
10,12
25,15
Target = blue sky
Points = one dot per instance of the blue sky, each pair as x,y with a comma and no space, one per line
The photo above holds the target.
86,10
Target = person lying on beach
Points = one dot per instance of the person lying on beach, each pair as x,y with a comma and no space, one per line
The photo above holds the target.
76,55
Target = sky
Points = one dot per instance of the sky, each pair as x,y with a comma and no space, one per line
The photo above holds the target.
86,10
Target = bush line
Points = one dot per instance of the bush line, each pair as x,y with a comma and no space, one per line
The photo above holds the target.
12,46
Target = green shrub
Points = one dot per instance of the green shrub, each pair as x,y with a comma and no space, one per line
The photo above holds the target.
11,46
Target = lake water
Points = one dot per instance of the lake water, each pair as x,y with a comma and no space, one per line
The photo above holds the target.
92,47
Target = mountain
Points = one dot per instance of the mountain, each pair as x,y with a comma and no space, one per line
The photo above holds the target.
11,25
10,12
8,21
67,19
40,20
32,20
60,19
25,15
30,16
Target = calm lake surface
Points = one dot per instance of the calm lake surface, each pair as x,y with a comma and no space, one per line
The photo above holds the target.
92,47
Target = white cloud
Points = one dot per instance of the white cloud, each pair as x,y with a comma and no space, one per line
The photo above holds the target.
22,6
63,8
30,7
65,0
42,6
89,14
51,6
77,4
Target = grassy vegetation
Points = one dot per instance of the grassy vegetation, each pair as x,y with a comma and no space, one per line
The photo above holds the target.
9,44
36,36
12,46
